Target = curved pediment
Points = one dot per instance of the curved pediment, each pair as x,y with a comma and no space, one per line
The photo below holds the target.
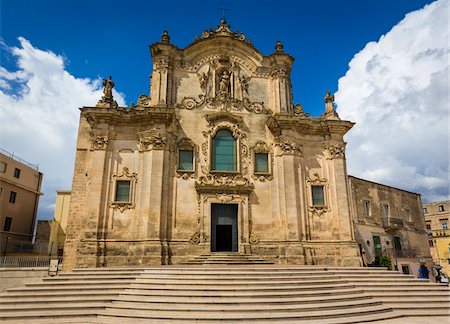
223,42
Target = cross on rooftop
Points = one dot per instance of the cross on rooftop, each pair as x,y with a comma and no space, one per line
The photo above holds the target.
223,9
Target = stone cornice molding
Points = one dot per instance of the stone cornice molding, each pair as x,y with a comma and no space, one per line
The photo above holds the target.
128,115
307,125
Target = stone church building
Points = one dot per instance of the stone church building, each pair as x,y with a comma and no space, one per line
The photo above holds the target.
216,159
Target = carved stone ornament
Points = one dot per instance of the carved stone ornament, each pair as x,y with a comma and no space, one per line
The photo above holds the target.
298,111
152,140
194,238
334,149
223,29
99,142
224,183
253,239
315,179
223,102
318,210
284,146
224,198
125,174
143,101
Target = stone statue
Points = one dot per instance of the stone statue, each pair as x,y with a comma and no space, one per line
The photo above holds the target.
107,100
329,103
108,85
329,113
224,84
205,82
244,85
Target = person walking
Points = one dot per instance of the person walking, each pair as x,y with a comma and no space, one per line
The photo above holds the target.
437,272
423,271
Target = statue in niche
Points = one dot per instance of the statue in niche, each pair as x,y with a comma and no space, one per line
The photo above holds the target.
243,81
205,82
224,84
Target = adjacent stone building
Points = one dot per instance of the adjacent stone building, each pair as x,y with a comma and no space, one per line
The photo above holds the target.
389,222
437,215
216,159
20,190
59,223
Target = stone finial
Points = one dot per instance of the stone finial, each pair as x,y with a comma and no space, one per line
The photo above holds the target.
279,47
330,113
165,38
107,100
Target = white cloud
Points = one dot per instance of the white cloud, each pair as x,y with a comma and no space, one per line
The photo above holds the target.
397,92
39,115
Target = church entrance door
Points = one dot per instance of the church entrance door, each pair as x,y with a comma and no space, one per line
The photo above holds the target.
224,230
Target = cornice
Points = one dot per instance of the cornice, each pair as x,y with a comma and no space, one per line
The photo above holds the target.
126,115
307,125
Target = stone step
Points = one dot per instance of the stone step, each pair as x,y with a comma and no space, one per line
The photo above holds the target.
236,272
339,290
235,308
230,278
246,316
220,269
206,300
359,318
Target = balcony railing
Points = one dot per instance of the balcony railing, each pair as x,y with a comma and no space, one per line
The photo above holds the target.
392,223
441,232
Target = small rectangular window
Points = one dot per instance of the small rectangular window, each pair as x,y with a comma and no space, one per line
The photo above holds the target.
425,210
17,173
405,269
430,242
428,225
441,208
3,167
386,210
123,191
12,197
7,225
318,197
261,163
408,214
444,225
186,160
366,206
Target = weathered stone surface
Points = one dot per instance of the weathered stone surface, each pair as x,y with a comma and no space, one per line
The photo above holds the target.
218,82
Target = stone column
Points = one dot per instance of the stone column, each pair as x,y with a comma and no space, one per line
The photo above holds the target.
152,144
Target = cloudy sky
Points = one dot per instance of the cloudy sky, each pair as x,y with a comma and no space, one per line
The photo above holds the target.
389,72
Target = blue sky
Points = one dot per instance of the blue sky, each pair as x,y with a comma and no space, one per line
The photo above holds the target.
389,72
98,38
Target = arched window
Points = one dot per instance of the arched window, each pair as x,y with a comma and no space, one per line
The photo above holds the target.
224,151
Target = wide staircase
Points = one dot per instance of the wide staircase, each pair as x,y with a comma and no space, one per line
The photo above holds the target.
227,259
207,293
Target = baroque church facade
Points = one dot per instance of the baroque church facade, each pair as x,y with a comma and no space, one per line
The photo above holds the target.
216,159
